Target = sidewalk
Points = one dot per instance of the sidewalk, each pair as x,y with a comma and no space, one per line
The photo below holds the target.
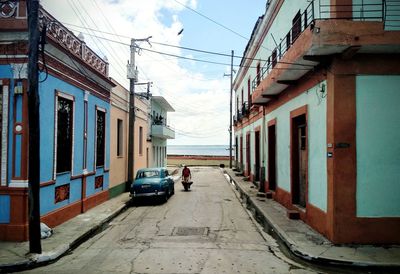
304,242
14,256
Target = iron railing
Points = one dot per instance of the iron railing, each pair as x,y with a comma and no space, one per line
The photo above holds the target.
392,14
386,11
303,21
362,10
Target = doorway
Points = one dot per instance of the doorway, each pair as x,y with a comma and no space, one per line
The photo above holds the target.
241,153
299,160
272,157
236,152
248,170
257,156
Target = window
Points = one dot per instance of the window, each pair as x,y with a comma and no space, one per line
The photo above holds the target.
258,73
100,137
148,174
120,138
64,134
140,140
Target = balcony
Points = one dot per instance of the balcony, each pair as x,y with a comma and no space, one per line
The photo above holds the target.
337,30
162,131
239,115
245,109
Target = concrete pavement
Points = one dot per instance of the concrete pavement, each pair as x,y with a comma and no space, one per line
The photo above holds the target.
14,256
301,240
306,243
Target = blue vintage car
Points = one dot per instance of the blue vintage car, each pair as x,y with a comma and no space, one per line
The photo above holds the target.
152,182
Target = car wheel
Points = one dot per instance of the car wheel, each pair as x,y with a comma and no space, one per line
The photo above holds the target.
173,190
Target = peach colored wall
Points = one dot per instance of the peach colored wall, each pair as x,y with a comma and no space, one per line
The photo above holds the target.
119,110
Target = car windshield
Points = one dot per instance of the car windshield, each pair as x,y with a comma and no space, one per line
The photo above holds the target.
147,174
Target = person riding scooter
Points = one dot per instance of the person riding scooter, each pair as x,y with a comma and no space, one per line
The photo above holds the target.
186,176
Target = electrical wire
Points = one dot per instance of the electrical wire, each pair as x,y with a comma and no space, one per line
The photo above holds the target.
212,20
189,49
85,23
203,61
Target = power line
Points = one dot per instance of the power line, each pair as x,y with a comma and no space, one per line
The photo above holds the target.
187,48
82,7
212,20
181,47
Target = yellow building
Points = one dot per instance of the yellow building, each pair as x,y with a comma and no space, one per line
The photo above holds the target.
119,134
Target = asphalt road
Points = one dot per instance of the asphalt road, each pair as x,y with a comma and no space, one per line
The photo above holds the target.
205,230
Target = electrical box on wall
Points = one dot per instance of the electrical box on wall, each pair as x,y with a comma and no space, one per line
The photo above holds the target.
18,88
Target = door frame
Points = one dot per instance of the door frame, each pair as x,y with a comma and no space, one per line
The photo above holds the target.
248,154
257,153
272,164
293,115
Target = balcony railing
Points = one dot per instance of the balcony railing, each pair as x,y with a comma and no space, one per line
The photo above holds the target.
161,130
303,21
386,11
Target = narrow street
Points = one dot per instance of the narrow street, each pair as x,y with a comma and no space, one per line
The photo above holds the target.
205,230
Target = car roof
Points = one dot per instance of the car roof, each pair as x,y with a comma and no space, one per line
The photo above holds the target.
152,169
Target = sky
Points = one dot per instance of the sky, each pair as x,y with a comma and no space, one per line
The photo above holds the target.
198,91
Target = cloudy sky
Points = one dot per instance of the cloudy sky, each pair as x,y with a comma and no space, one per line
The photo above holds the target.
195,86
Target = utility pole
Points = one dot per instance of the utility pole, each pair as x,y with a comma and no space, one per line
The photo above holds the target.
34,128
230,113
230,117
133,78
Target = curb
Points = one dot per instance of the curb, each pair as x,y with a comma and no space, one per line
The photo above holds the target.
276,233
37,260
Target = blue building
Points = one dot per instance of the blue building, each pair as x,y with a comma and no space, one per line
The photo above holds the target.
74,124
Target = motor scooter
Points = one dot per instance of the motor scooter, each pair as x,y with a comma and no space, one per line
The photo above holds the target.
186,184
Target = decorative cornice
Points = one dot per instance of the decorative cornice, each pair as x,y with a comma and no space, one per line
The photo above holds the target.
59,34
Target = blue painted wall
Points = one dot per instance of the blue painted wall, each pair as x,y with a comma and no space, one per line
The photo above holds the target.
47,108
378,146
5,209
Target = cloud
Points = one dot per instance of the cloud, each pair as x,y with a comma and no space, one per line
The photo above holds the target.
202,104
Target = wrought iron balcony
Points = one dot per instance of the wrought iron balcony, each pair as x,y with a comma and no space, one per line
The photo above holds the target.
161,130
326,22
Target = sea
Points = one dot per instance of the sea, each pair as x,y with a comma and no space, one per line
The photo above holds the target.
204,150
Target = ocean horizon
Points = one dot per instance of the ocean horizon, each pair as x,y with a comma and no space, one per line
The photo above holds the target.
203,150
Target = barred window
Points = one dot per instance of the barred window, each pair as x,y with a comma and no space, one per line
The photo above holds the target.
64,134
120,137
100,137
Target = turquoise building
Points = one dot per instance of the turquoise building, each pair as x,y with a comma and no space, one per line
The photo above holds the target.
316,121
160,130
74,124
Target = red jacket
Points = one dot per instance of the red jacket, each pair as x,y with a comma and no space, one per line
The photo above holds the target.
186,172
